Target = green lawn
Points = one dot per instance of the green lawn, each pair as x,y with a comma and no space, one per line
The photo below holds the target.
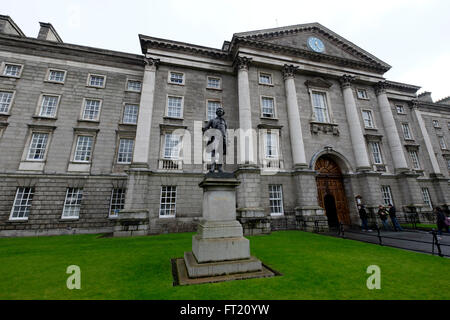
420,226
313,267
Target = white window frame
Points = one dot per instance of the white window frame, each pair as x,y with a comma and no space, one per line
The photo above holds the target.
406,125
83,109
182,106
40,105
426,197
13,92
436,123
44,154
18,203
274,115
372,119
442,143
397,106
125,105
127,88
280,199
207,107
116,201
177,156
169,78
77,205
88,84
49,71
76,143
372,151
414,156
118,150
5,64
329,114
364,95
386,193
276,134
270,76
173,201
214,88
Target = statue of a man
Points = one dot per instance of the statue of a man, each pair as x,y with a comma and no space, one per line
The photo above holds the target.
218,123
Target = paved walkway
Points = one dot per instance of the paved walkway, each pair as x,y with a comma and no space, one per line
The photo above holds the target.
414,240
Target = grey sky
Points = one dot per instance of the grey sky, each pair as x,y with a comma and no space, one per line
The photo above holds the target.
413,36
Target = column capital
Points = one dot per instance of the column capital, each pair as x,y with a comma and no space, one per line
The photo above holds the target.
289,71
243,63
151,62
346,81
380,87
414,104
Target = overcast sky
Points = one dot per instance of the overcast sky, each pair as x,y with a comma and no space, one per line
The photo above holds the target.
413,36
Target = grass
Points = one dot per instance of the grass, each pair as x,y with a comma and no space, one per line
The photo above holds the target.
313,267
420,226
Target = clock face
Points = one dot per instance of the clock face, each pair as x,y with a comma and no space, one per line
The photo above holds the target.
316,44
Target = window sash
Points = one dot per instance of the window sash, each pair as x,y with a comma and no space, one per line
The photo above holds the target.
72,203
134,85
83,148
362,94
176,77
376,153
174,107
38,146
265,78
387,195
276,199
12,70
426,197
414,159
400,109
22,203
96,81
268,107
442,143
168,201
212,108
271,145
406,131
91,109
48,106
5,101
125,154
172,144
117,202
214,83
368,119
320,107
130,114
57,76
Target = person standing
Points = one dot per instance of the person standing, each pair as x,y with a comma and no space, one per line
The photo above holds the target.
382,213
440,220
393,215
363,216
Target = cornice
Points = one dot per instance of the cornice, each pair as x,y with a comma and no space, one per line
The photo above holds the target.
401,86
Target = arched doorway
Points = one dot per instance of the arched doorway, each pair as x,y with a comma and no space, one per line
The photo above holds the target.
331,193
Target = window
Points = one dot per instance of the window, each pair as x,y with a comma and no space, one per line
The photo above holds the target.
426,197
174,107
362,94
38,146
134,85
376,152
125,154
172,144
406,131
49,106
130,114
117,202
212,108
276,200
400,109
265,78
168,201
442,143
368,119
414,159
56,76
448,164
436,124
6,98
176,78
271,145
268,107
387,195
22,203
214,83
72,203
83,149
91,110
97,81
12,70
319,101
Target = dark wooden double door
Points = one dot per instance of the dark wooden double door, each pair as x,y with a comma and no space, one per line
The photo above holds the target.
331,192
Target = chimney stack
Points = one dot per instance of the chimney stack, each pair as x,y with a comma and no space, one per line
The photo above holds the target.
47,32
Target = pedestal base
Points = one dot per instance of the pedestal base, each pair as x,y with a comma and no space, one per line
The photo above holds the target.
220,249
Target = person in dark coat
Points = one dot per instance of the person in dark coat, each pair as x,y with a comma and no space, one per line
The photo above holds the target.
383,214
363,215
393,215
440,220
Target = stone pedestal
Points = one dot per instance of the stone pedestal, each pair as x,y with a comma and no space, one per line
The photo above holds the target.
131,223
219,247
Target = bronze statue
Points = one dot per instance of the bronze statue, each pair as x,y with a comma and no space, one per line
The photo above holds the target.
218,123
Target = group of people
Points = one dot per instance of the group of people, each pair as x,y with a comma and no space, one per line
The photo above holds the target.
383,213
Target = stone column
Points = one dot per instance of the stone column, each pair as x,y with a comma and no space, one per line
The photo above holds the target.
144,125
295,127
246,147
356,133
390,127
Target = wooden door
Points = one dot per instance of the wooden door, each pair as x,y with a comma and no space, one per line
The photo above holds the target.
329,181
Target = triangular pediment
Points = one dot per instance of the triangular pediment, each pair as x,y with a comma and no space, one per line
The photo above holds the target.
297,36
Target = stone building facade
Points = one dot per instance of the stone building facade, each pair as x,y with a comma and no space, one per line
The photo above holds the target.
93,140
